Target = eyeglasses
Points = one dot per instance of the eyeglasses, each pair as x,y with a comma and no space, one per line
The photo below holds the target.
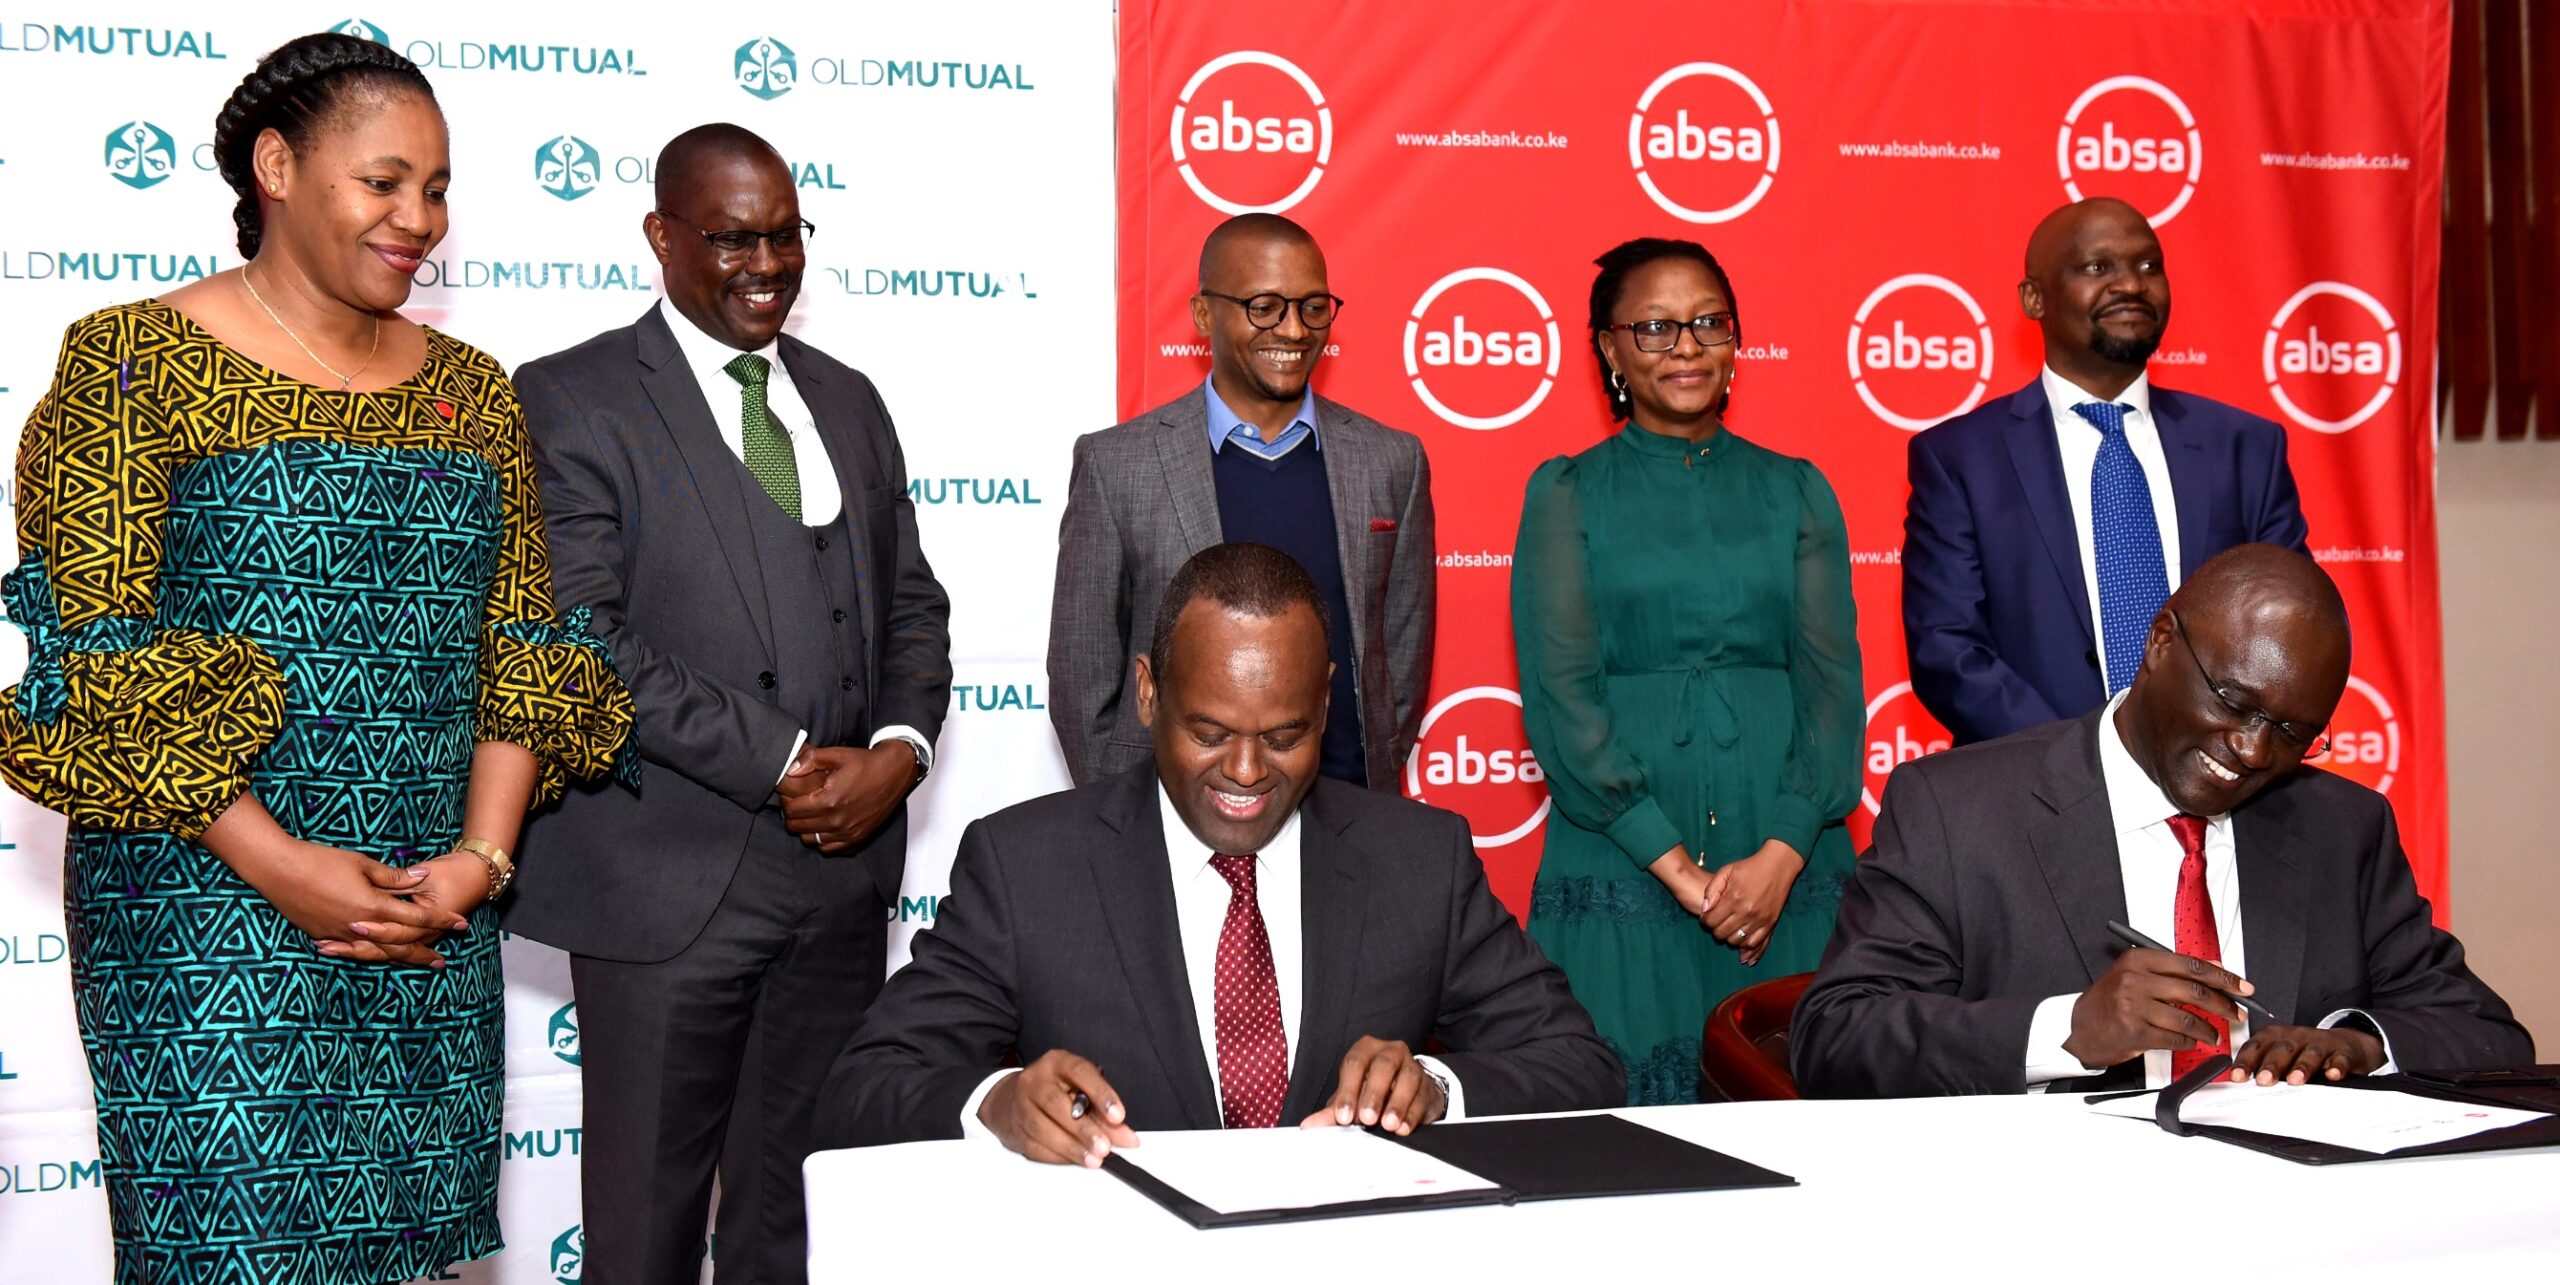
2310,742
1661,334
732,242
1266,311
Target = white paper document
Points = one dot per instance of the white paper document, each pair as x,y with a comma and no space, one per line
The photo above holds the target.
2375,1120
1236,1171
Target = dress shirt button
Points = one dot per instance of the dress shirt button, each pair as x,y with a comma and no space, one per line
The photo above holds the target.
847,684
822,542
837,615
765,680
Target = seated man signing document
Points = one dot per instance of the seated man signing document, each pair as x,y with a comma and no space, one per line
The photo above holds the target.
1973,953
1216,938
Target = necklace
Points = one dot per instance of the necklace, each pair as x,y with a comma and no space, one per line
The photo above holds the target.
344,379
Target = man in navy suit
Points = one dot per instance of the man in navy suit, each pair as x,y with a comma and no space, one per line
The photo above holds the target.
2047,528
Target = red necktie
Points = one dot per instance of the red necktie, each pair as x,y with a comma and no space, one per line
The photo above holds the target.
1253,1052
2196,935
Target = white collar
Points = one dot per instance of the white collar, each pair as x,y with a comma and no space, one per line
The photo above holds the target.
708,356
2133,798
2063,394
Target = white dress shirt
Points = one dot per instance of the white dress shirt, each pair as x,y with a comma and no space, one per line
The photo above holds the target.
2149,855
2079,440
821,496
1200,899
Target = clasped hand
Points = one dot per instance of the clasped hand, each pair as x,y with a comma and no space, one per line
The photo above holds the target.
834,796
1059,1110
357,908
1740,902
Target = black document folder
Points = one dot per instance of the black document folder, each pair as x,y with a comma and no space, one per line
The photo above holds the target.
2544,1132
1550,1158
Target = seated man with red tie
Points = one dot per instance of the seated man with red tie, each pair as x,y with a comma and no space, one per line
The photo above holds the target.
1218,937
1973,953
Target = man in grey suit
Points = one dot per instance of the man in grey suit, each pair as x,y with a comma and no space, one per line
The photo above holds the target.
734,501
1238,942
1254,455
1973,955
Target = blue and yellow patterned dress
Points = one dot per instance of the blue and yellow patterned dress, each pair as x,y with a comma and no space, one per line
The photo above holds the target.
232,580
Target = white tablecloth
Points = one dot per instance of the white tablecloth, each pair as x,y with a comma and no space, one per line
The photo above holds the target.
1990,1189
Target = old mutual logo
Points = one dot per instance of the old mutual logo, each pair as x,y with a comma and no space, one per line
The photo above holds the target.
140,154
766,68
568,167
569,1254
562,1037
362,30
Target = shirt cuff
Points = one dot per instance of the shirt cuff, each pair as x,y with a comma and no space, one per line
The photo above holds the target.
1644,833
2047,1060
911,736
1793,820
796,743
970,1125
1449,1085
2364,1020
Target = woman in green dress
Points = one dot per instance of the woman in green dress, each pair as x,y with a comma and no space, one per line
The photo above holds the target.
1689,676
294,675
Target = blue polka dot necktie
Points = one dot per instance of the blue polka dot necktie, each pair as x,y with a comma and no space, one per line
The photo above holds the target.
2133,575
766,448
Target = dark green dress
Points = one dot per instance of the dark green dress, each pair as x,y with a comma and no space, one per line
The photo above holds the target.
1689,676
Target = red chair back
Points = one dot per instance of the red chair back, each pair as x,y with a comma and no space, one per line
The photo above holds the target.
1744,1052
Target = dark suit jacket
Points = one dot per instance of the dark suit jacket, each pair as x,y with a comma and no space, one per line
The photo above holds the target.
1991,882
1995,614
1060,932
645,507
1143,499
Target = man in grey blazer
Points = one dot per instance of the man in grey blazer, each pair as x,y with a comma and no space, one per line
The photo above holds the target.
734,501
1254,455
1972,953
1216,937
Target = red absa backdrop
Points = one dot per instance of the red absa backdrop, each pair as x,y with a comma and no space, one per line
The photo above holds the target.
1867,173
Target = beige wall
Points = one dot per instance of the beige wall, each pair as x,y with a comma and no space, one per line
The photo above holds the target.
2498,514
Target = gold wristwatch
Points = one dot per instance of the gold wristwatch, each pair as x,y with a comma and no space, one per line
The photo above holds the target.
502,868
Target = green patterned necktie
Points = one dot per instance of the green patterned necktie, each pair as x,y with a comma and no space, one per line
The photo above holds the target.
767,447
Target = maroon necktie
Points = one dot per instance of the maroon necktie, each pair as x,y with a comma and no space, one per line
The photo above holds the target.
2197,936
1253,1052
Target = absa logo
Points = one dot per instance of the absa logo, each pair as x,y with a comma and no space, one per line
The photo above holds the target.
1704,142
2142,146
2364,738
568,167
1898,731
766,68
1472,758
1488,341
1923,356
2332,357
1258,142
140,154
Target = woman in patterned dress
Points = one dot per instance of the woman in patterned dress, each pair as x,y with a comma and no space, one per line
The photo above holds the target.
1689,678
295,676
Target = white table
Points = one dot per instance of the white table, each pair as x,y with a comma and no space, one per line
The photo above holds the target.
1987,1189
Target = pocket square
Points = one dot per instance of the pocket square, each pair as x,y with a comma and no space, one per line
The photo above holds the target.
1382,524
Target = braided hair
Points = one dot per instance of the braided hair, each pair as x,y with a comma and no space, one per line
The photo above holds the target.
294,91
1612,283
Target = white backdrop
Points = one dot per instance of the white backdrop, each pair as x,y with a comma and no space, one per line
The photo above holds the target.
957,161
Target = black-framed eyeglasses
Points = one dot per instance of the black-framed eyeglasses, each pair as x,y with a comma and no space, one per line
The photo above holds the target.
2311,742
1266,311
732,242
1662,334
